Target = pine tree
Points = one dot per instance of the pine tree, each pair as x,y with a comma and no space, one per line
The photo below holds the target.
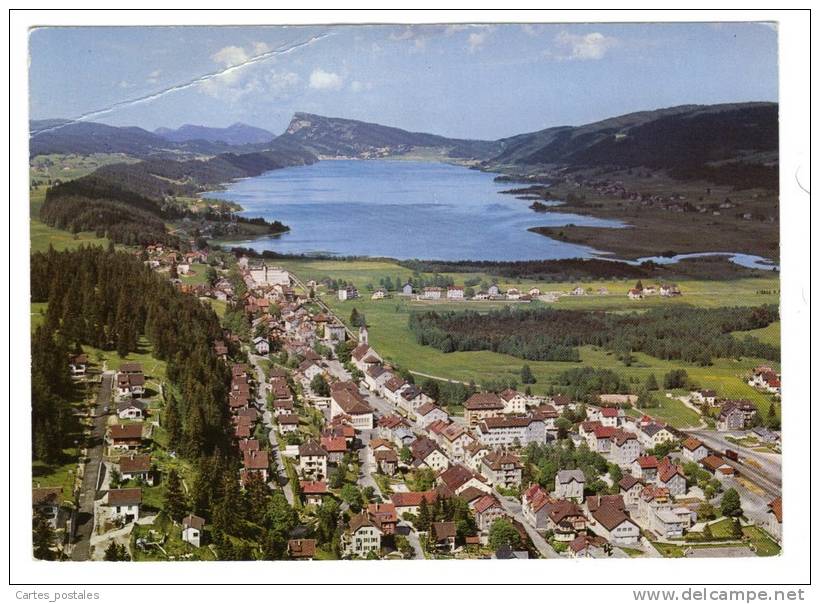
651,382
526,375
257,494
228,509
175,504
173,423
424,519
43,538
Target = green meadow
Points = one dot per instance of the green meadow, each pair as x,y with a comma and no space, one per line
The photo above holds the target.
389,334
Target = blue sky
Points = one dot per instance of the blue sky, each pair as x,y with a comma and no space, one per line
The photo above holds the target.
472,81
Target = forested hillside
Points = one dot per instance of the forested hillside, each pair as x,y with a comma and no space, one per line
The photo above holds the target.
107,300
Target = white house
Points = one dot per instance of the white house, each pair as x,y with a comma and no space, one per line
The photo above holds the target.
131,409
693,449
123,505
192,529
514,401
569,484
261,345
361,537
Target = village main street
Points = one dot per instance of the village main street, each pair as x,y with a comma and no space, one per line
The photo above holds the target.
281,479
84,515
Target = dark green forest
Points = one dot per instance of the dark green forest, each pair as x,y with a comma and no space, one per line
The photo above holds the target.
694,335
108,299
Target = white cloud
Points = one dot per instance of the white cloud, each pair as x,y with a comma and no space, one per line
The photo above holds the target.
230,56
583,47
532,29
237,81
153,77
325,80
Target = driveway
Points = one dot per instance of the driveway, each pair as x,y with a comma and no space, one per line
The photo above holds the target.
84,517
513,507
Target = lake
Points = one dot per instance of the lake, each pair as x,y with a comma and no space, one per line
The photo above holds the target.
399,209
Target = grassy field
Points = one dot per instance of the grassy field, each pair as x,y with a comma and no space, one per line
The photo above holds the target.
767,335
42,235
388,331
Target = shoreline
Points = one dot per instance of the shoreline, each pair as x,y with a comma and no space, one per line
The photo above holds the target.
610,244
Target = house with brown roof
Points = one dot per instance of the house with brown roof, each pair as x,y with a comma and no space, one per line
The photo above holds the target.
345,399
408,502
482,405
645,468
313,491
137,467
426,453
630,489
361,537
443,535
487,510
122,505
48,501
717,466
735,415
77,364
312,460
458,478
609,520
502,469
387,461
124,437
411,398
671,476
454,438
587,546
287,422
693,449
428,413
363,357
130,384
336,447
301,549
383,516
255,462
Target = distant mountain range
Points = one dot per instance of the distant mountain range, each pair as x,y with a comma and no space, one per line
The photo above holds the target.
677,138
332,136
235,134
727,143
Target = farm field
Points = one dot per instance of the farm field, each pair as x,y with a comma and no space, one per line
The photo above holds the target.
389,334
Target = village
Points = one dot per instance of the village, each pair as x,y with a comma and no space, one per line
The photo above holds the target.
320,416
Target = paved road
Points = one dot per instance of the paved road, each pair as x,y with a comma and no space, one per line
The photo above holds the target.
281,477
367,464
406,529
81,548
513,507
